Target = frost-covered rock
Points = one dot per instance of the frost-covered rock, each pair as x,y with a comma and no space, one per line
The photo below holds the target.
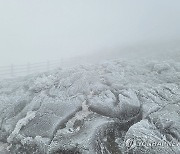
159,132
129,104
167,120
3,148
145,138
21,123
162,67
104,103
91,109
50,116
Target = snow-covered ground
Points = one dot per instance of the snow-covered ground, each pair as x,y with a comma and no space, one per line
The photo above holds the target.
113,107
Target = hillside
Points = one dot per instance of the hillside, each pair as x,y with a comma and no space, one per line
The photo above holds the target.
108,108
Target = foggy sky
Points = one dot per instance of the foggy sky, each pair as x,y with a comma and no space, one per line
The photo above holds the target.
37,30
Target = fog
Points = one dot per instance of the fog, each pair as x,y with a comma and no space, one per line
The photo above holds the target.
40,30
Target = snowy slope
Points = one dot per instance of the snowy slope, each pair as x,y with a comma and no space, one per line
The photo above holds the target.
93,109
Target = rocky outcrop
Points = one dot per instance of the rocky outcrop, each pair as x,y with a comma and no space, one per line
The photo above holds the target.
112,108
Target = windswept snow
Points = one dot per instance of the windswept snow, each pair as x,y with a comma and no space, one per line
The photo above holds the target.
92,109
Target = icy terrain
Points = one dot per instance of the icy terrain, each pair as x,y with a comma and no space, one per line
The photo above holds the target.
111,108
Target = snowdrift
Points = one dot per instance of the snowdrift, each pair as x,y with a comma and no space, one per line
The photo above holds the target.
111,108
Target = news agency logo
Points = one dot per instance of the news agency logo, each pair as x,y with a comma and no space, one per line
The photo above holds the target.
132,144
